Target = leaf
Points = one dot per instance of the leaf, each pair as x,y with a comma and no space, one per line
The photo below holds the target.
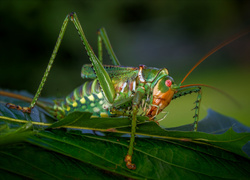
158,153
155,158
215,123
82,120
12,135
27,161
230,140
72,118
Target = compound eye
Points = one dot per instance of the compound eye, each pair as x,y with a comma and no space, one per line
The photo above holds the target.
168,83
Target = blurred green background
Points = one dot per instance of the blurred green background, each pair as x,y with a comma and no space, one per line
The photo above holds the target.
171,34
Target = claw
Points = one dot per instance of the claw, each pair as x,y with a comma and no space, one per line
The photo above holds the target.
26,109
11,106
128,160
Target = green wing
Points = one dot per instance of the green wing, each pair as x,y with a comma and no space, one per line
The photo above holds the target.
116,72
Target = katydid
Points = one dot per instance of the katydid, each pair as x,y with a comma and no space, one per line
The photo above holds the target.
117,90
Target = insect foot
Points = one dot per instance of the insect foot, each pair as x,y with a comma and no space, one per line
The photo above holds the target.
17,107
128,160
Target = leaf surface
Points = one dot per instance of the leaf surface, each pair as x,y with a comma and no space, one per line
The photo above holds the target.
37,146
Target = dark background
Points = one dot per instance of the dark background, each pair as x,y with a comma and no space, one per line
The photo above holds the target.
171,34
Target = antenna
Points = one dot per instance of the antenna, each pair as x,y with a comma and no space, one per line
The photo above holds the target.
237,36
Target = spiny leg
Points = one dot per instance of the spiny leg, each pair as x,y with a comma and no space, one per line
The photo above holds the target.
128,158
52,58
102,36
197,110
99,44
136,101
188,90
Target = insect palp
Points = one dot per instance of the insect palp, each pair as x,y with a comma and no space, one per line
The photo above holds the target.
166,113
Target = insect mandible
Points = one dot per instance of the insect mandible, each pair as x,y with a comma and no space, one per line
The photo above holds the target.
117,90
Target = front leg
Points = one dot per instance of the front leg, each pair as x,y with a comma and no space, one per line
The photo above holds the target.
197,109
136,101
188,90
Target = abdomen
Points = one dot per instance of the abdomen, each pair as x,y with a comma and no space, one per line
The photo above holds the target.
86,98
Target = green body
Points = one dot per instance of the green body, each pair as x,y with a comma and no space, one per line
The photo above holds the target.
89,97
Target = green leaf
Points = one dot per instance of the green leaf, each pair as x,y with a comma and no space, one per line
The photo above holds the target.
72,118
11,135
230,140
28,150
215,123
82,120
155,158
26,161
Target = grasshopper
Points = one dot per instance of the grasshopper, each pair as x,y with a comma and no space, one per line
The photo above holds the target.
116,90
